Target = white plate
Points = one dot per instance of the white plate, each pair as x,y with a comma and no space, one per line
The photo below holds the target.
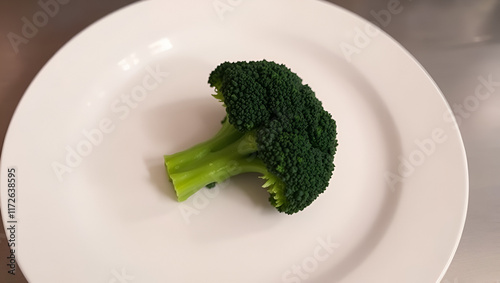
92,199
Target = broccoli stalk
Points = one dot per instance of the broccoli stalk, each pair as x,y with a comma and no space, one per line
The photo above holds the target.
225,136
227,154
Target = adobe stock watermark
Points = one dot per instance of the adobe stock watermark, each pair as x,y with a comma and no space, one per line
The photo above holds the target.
362,37
199,201
221,7
324,249
120,109
120,276
485,88
39,19
423,149
202,198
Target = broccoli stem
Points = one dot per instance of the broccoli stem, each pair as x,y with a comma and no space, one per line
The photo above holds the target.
227,154
225,136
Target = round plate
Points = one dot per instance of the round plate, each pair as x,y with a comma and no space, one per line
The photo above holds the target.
92,199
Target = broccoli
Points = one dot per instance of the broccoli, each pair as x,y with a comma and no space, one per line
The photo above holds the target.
274,126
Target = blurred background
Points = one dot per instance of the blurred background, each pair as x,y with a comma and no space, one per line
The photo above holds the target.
456,41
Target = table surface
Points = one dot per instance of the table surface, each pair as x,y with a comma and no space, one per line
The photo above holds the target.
457,42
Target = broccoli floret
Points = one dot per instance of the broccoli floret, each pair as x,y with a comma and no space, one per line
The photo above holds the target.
274,125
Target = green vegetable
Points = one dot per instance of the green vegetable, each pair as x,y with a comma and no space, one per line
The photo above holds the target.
274,125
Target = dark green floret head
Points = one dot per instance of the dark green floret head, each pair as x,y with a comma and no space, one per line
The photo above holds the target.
274,125
296,159
254,91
